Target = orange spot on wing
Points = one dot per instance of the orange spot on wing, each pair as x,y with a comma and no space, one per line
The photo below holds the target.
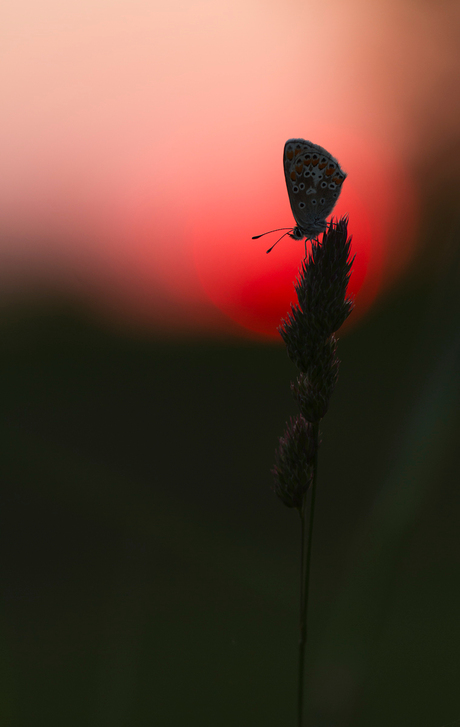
293,176
322,165
290,154
298,167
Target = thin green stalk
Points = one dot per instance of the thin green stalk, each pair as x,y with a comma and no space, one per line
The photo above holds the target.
305,561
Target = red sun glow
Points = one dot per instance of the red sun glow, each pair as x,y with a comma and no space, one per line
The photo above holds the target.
254,289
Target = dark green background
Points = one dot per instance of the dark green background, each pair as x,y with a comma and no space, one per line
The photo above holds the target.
149,574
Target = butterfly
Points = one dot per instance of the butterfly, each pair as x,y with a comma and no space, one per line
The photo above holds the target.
314,180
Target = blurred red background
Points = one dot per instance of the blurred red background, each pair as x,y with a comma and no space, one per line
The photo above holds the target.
142,149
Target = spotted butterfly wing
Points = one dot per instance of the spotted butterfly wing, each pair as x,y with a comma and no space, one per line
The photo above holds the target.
314,180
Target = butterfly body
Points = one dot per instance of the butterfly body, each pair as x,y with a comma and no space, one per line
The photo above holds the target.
314,180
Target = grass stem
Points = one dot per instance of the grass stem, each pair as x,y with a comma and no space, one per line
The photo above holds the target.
305,563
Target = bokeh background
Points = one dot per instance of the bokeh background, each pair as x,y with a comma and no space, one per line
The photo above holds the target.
149,575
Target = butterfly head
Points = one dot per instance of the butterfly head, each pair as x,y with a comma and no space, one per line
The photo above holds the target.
315,227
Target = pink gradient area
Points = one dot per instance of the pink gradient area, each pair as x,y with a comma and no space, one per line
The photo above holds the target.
255,289
142,148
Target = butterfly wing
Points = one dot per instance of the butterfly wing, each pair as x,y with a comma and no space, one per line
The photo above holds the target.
314,179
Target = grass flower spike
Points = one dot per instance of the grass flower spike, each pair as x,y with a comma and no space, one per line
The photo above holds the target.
308,332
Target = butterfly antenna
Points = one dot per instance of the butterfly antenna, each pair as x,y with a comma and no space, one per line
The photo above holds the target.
286,233
256,237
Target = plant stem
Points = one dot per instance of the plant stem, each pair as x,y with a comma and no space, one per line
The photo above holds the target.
305,560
